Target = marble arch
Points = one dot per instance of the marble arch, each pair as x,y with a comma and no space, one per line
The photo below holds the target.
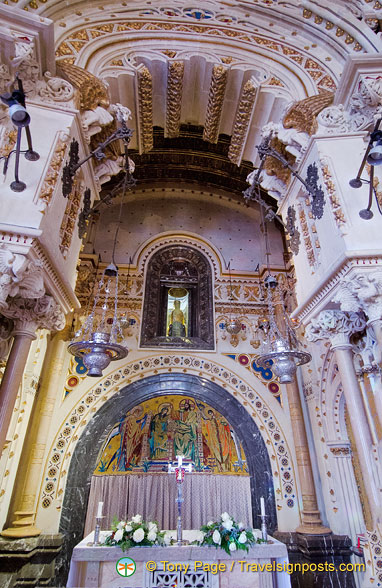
83,405
85,453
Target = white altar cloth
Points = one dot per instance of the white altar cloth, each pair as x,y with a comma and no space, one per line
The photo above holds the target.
93,567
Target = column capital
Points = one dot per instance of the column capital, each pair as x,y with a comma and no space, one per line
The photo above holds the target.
362,291
31,314
335,325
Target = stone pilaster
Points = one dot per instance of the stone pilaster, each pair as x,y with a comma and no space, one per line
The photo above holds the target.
337,326
28,315
311,521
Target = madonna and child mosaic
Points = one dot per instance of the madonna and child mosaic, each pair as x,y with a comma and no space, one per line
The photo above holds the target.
153,433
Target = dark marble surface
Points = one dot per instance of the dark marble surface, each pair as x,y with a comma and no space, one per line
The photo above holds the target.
318,549
28,561
85,454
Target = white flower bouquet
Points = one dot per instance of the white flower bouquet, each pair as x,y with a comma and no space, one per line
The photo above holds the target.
135,533
228,535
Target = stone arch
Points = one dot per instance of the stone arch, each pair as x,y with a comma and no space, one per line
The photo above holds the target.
249,389
85,453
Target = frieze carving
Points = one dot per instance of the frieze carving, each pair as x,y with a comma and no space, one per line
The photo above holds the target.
48,89
340,451
175,73
232,293
293,232
76,41
215,103
31,314
38,88
145,100
335,325
242,120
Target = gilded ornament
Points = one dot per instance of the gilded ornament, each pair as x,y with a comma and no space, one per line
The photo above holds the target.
308,243
145,99
92,92
302,115
242,120
215,103
333,198
175,73
50,179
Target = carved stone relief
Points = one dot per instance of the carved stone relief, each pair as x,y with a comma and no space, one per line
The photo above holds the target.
364,107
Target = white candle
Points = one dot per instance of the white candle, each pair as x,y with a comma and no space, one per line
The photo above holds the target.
99,511
262,506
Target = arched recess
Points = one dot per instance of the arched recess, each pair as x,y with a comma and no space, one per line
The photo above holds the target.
177,265
84,457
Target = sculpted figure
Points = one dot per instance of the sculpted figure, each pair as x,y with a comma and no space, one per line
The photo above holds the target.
177,326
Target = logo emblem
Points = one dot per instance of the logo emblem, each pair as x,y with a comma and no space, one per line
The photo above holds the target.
126,566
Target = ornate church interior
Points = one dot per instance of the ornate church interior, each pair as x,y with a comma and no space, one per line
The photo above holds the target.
191,282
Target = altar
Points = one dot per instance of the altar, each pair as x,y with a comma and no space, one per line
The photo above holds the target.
189,565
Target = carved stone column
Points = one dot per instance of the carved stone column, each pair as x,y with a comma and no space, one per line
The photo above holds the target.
23,337
28,315
363,291
311,521
338,326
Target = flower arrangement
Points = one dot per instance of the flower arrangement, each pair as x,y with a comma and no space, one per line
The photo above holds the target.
228,535
135,533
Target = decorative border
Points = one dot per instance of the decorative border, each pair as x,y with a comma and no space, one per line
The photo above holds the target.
76,41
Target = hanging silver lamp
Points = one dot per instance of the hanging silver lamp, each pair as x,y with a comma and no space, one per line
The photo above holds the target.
96,343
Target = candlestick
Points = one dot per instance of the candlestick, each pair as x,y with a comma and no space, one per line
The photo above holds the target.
99,511
97,529
262,506
264,532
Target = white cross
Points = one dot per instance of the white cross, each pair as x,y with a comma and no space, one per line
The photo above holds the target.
180,467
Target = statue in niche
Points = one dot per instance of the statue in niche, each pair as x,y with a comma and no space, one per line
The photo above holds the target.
177,316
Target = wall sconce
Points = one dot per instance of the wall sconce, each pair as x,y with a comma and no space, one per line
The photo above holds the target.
19,116
265,150
373,156
122,133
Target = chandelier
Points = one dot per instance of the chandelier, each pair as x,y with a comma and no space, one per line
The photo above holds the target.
281,347
96,342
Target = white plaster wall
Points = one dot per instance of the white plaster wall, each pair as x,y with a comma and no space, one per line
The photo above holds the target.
230,227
